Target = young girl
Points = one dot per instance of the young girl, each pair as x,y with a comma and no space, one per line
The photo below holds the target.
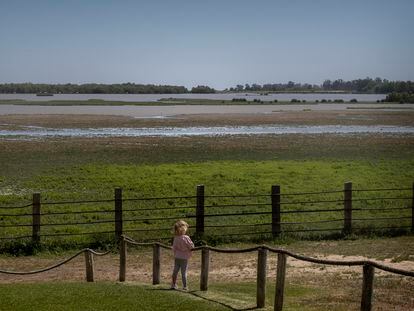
182,246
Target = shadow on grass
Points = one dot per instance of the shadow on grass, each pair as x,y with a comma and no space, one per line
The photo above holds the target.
195,293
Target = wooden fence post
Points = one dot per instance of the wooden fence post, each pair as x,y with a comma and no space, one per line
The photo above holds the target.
261,278
367,287
122,259
156,264
205,262
118,213
89,266
200,211
412,210
275,197
347,208
36,218
280,281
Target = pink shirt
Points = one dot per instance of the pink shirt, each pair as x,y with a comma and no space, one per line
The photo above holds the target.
182,246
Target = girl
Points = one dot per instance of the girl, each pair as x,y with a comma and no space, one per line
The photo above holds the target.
182,246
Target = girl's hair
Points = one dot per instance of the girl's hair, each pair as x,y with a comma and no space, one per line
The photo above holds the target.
180,227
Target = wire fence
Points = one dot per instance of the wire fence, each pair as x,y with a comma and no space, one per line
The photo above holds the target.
253,216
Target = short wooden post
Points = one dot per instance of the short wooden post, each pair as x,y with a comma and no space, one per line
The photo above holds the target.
89,266
36,218
156,264
347,208
205,263
118,213
412,210
275,210
122,259
280,281
200,211
367,287
261,278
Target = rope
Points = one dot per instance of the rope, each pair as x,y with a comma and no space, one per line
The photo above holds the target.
44,269
289,253
97,253
55,265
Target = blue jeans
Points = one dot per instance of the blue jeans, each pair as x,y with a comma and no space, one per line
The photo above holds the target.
180,264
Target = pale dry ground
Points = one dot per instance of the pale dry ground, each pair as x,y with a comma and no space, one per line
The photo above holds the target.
337,287
344,117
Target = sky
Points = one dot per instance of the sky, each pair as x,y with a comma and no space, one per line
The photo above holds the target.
220,43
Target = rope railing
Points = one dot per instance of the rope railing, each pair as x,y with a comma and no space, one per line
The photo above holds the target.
284,251
368,268
86,251
262,250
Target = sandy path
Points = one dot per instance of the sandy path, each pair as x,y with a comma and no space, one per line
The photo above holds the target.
223,267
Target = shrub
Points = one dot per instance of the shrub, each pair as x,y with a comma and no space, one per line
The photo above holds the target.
353,100
238,100
400,97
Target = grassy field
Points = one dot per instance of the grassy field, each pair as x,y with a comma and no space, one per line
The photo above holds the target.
76,169
97,182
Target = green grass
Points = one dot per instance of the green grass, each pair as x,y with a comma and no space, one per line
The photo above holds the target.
97,182
115,296
98,296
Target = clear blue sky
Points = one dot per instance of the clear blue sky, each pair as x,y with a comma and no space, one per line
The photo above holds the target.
219,43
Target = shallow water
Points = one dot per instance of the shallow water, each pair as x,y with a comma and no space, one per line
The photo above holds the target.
41,132
176,110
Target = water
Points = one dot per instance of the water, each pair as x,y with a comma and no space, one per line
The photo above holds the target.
219,96
41,132
176,110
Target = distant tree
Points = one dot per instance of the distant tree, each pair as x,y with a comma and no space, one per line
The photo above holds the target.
202,89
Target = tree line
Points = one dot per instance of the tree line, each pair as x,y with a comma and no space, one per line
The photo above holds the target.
367,85
94,88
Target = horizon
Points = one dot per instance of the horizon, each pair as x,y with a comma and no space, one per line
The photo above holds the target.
218,44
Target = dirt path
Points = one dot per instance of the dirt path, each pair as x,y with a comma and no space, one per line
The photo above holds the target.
223,267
